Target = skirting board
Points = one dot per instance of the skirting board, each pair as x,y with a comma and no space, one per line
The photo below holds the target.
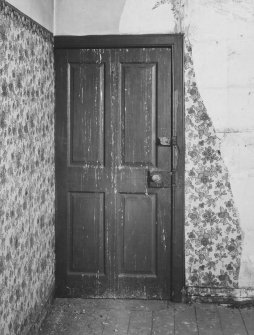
237,296
35,325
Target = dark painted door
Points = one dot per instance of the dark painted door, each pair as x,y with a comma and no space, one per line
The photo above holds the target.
114,162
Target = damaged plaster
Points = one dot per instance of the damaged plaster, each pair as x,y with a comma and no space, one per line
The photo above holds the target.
212,230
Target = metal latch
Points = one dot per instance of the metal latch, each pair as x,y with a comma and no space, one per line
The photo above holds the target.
167,141
173,175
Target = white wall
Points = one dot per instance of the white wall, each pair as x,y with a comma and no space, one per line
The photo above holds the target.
90,17
139,18
41,11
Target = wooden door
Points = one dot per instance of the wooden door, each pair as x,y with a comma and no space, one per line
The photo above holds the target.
116,154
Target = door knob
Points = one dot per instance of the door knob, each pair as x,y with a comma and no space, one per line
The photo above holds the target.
157,178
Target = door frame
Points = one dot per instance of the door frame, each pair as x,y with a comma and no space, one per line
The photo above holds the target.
175,42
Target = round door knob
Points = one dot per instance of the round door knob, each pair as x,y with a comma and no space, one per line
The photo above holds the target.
156,178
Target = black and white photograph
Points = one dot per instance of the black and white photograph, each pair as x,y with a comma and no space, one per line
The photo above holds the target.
126,167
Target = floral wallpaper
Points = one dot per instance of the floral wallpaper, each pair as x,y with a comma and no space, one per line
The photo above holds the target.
26,170
213,238
213,235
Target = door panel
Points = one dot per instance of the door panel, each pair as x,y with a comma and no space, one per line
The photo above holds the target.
138,113
144,238
114,224
87,233
87,113
138,254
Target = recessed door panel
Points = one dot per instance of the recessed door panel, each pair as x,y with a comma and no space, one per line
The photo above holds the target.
87,233
138,235
138,94
87,113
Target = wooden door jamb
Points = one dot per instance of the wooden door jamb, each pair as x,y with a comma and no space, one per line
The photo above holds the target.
175,42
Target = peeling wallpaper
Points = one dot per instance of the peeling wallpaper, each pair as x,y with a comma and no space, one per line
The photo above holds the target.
26,170
220,34
213,236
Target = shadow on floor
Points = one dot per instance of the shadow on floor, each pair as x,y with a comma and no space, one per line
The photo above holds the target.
142,317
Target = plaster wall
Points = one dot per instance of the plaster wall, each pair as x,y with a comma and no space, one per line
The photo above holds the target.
93,17
219,38
40,11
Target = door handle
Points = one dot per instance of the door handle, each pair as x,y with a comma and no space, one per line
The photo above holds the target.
159,179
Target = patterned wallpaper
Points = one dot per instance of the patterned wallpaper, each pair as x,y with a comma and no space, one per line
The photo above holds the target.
26,170
213,238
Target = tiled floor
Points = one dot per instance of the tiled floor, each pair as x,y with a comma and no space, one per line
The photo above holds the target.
139,317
